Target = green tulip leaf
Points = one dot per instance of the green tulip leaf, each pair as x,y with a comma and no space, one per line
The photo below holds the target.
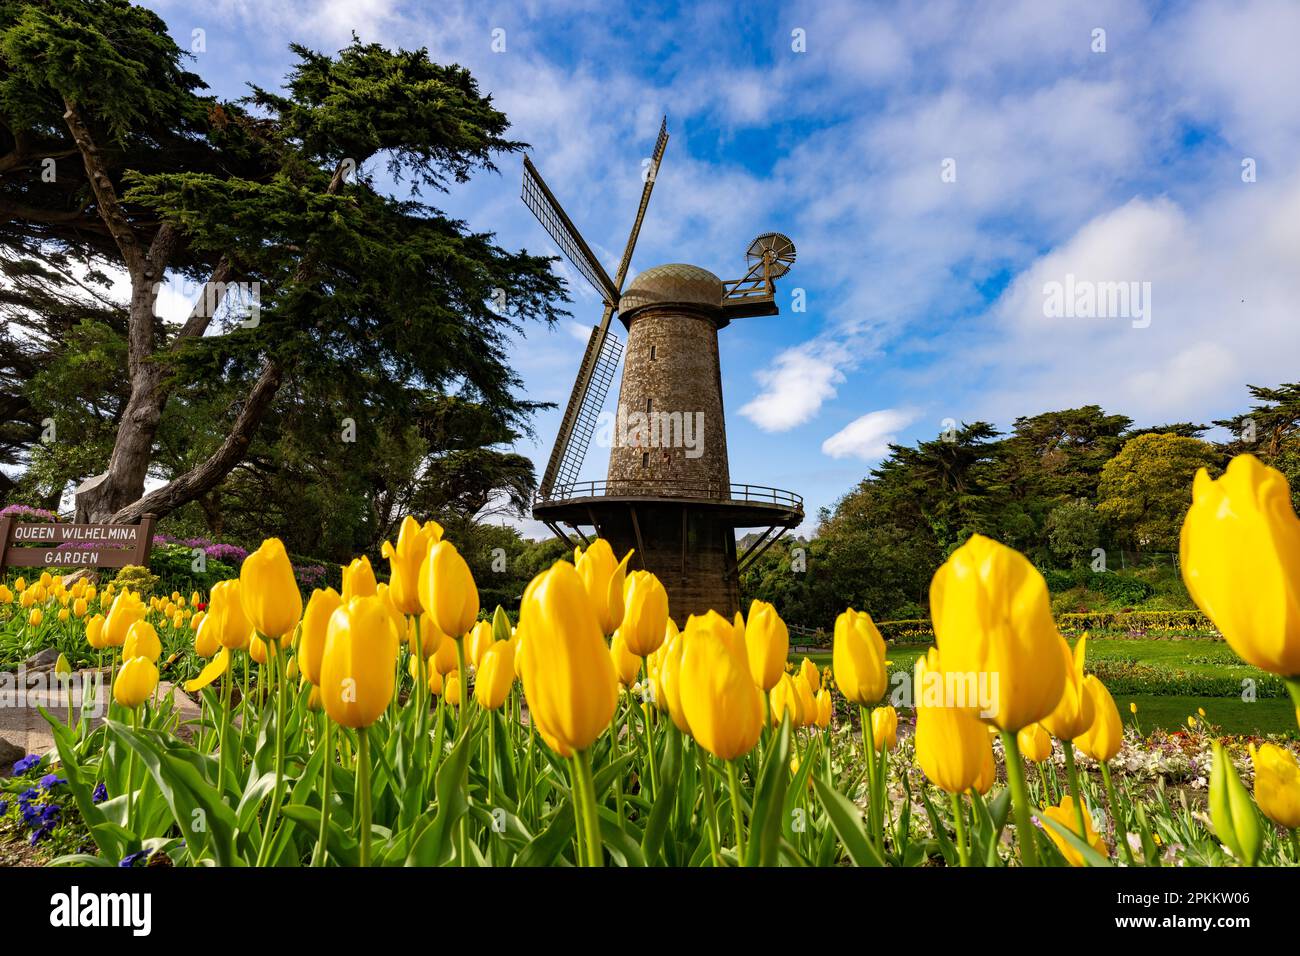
849,824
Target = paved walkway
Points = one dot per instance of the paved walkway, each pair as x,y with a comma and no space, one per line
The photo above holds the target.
24,731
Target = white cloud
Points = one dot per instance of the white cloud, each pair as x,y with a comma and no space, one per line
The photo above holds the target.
870,436
800,380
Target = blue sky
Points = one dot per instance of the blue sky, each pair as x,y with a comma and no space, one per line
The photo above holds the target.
1114,157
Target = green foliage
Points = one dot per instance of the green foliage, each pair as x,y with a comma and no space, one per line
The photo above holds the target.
138,579
1146,489
173,565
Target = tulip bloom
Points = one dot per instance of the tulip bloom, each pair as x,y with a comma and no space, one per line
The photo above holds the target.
626,664
645,613
95,632
1067,816
135,682
315,628
1101,741
567,672
1236,821
480,639
670,678
226,611
127,608
767,643
447,590
784,699
825,707
858,658
142,641
722,704
807,700
356,669
992,617
603,578
952,745
404,560
1277,784
1240,555
496,675
1035,743
884,727
211,671
1073,714
358,579
269,591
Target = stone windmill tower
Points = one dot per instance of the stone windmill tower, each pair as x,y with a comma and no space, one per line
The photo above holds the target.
668,493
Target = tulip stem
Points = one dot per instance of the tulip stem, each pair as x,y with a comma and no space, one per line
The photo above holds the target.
327,767
706,781
1121,834
585,790
1020,798
130,772
1072,772
1295,844
363,792
959,821
733,782
277,665
874,816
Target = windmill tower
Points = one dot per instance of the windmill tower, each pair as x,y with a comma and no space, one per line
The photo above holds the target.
668,493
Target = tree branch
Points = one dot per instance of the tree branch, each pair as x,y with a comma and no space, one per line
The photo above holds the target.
110,209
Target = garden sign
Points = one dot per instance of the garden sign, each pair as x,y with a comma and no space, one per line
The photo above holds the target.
34,544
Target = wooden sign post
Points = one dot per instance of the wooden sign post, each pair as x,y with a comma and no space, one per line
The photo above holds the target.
34,544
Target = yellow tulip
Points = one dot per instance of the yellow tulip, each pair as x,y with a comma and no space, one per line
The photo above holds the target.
79,607
211,671
480,639
195,599
784,699
809,672
626,664
20,584
1240,557
47,580
1073,714
645,613
142,641
405,558
825,706
127,608
430,639
1035,743
603,577
447,590
64,615
35,618
356,669
988,774
1277,784
452,689
723,705
565,666
6,596
1104,738
315,627
227,611
358,579
135,682
952,745
670,686
993,622
858,658
767,643
269,591
206,642
444,656
1066,816
807,700
884,727
95,632
496,675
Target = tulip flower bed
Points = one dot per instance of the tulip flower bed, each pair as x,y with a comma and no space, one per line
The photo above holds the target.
393,723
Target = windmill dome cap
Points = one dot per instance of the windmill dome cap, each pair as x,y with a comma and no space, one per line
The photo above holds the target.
676,282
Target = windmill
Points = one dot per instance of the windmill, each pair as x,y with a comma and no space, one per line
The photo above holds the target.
668,494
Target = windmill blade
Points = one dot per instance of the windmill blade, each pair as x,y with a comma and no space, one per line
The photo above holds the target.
539,198
652,173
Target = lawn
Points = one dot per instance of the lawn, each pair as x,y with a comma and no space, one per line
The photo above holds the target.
1174,662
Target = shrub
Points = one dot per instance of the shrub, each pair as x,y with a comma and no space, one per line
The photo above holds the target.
174,565
138,579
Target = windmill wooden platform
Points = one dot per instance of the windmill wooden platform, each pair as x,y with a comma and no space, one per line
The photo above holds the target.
668,493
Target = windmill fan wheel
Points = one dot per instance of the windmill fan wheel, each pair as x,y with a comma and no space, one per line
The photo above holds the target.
774,248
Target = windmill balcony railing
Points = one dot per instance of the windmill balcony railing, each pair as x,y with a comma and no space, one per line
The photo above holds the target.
631,488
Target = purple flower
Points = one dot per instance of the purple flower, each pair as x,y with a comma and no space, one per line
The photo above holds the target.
28,795
4,807
100,794
50,780
130,858
27,513
27,763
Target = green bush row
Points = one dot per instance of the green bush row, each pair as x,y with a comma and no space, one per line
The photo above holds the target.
1149,624
1136,677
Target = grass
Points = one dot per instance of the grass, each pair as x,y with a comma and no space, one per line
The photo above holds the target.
1202,656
